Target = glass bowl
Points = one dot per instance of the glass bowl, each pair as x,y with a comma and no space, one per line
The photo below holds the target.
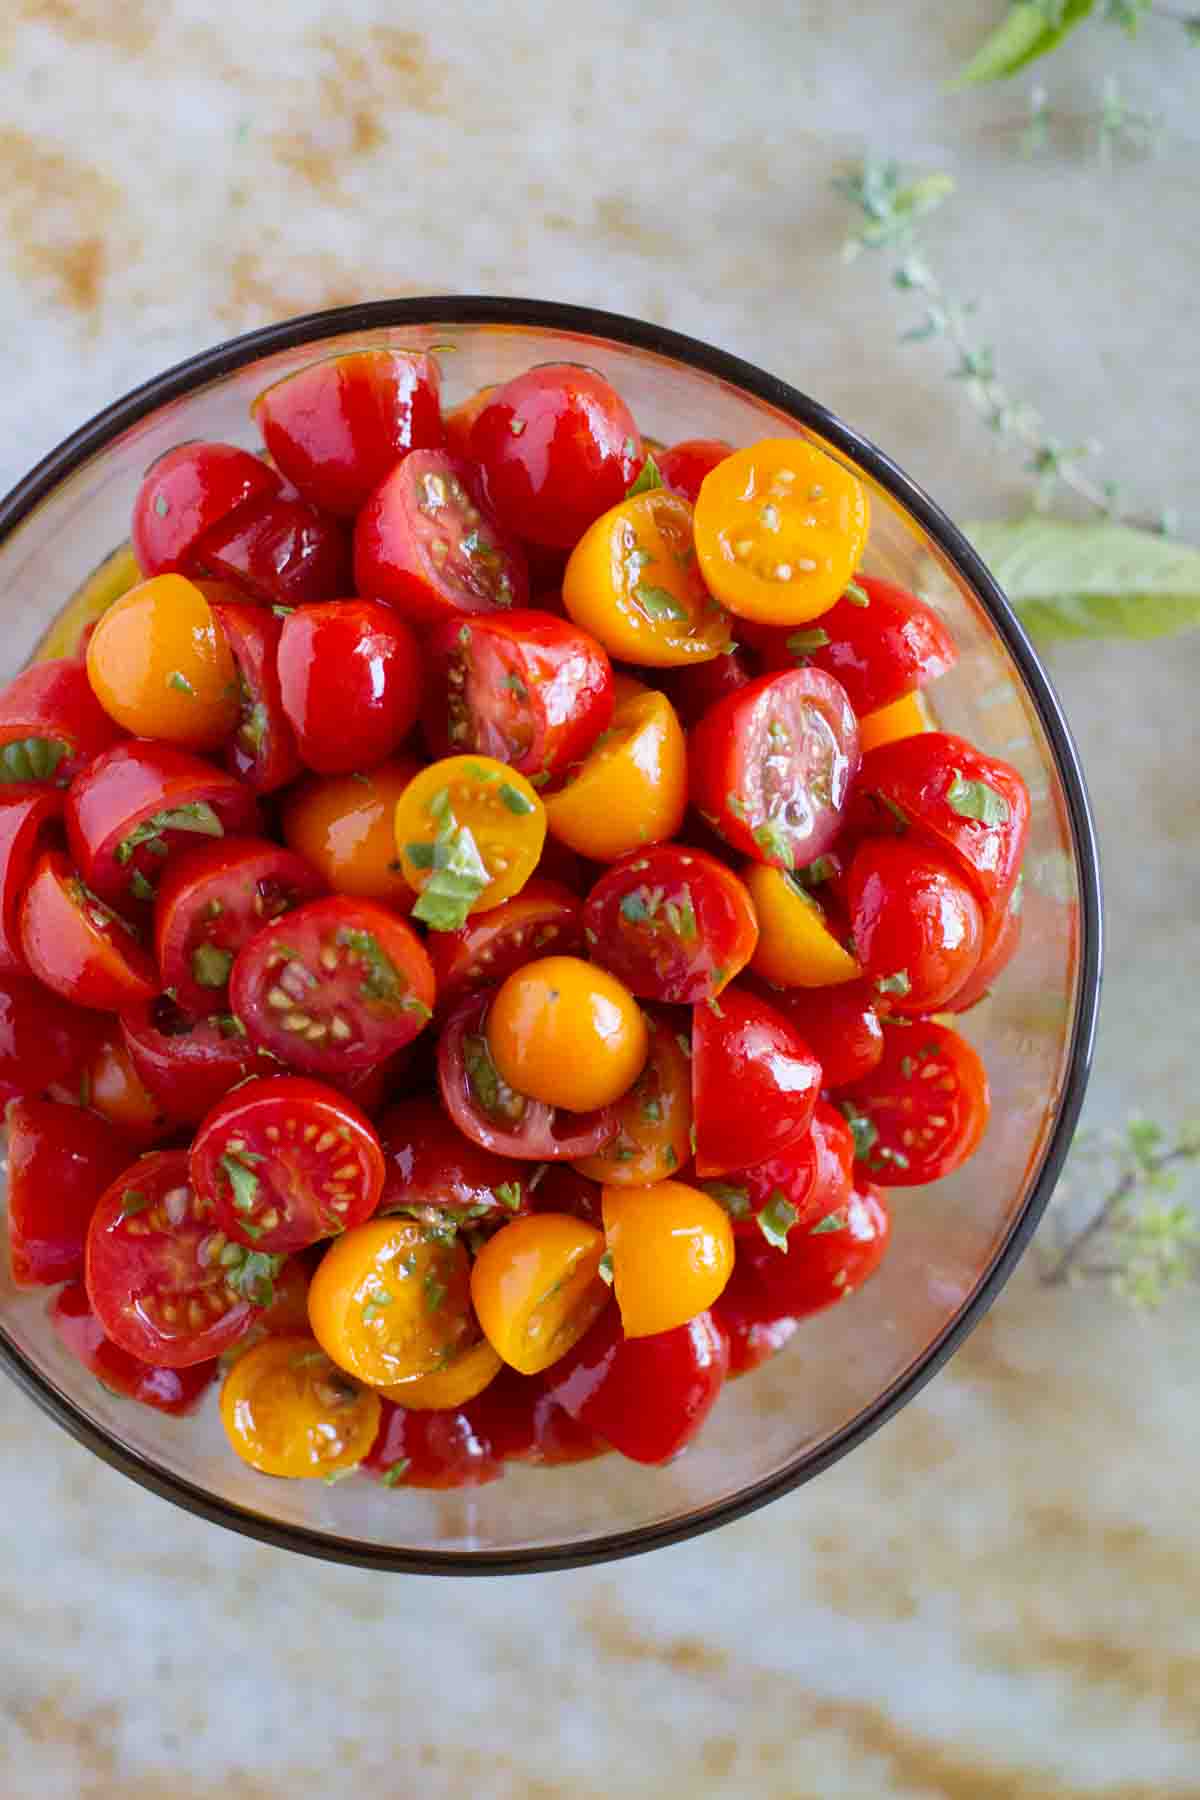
955,1243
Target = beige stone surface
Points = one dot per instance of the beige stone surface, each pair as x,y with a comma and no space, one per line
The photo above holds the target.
997,1597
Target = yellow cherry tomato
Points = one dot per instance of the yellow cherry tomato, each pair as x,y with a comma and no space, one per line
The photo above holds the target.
632,582
288,1410
905,717
454,1385
656,1117
389,1300
113,577
565,1032
672,1253
536,1288
159,665
344,825
631,789
626,687
780,529
469,832
795,946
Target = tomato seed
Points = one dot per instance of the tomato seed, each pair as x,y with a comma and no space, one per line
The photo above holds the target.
270,1219
316,1033
327,1140
297,1021
347,1172
169,1311
277,999
340,1029
783,571
329,958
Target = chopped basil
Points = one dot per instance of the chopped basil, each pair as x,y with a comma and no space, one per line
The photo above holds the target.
242,1180
393,1476
253,1276
776,1220
162,505
976,800
894,984
803,643
177,679
856,595
647,481
735,1200
684,1042
772,840
715,1007
139,887
515,800
458,873
735,806
435,1290
283,612
540,779
651,1111
491,1093
834,1221
331,1477
863,1130
197,816
509,1194
823,868
31,759
681,917
517,426
898,813
228,1024
658,603
383,980
604,1268
133,1201
515,685
211,965
670,1158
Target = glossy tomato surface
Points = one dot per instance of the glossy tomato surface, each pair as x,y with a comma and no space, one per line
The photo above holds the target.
692,690
51,723
60,1160
827,1259
683,466
878,641
28,815
189,1064
755,1081
1001,943
841,1026
262,749
188,491
174,1391
435,1173
427,544
923,1111
917,925
523,1422
350,679
673,924
345,826
756,1324
647,1396
44,1041
77,945
280,551
432,1450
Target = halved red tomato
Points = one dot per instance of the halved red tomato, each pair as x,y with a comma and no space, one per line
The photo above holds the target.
51,723
840,1024
439,1176
544,919
138,803
337,427
262,750
426,543
756,1325
338,984
350,675
44,1042
827,1260
286,1162
878,641
189,1064
279,550
431,1450
494,1115
673,924
1000,945
916,924
647,1396
765,1199
27,815
522,1421
188,491
60,1160
755,1081
77,945
684,465
525,688
923,1111
175,1391
211,901
165,1284
695,688
771,766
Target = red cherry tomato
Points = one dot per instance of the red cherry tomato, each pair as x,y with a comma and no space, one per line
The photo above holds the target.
262,750
44,1042
51,723
156,1277
771,766
696,687
286,1162
952,795
175,1391
542,920
60,1161
923,1111
338,984
211,901
1000,945
560,1188
879,650
459,420
27,816
754,1082
684,465
827,1260
524,1423
189,1064
350,676
647,1396
426,543
438,1175
761,1190
442,1449
833,1142
558,446
337,427
494,1115
138,803
188,491
672,924
280,550
917,926
77,945
527,689
755,1324
840,1025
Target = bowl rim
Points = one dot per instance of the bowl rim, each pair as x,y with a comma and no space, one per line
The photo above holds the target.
450,310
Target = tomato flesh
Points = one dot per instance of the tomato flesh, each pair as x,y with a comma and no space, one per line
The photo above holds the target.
438,1176
754,1081
175,1391
673,924
262,751
544,919
77,945
51,723
923,1111
350,679
60,1161
646,1396
189,1064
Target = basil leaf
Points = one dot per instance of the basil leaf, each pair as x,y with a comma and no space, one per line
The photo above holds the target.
647,480
382,980
211,965
459,875
802,643
243,1181
658,603
735,1200
976,800
895,984
776,1220
834,1221
515,800
31,759
1070,580
196,815
1032,28
604,1268
253,1276
864,1130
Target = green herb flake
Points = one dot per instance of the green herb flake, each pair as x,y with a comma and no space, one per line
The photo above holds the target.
211,965
604,1268
382,981
139,887
509,1194
776,1220
31,759
898,983
863,1130
515,685
242,1180
515,800
976,800
648,480
684,1042
670,1158
196,816
906,1067
133,1201
834,1221
458,873
177,679
651,1111
658,603
517,426
283,612
773,841
856,595
898,813
735,1200
393,1476
803,643
162,505
253,1276
435,1291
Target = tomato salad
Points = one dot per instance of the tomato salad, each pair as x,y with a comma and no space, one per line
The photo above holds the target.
468,842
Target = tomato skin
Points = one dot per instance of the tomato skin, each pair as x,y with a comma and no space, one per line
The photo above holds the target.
654,1139
427,544
60,1161
878,652
138,1263
296,1188
823,1266
536,1287
648,1396
175,1391
773,763
694,689
350,678
43,1040
528,689
544,919
458,421
746,1192
840,1024
344,825
278,550
381,987
338,426
1001,943
262,751
188,491
565,1032
244,882
672,1254
673,924
55,700
27,815
928,1102
432,1169
433,1449
516,1126
187,1064
754,1082
684,465
915,775
391,1299
77,946
915,922
566,1189
123,790
519,1418
558,447
757,1326
631,789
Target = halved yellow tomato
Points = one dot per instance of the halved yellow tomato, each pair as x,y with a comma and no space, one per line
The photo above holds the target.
289,1410
903,718
654,1139
469,831
795,946
536,1286
633,583
672,1253
631,789
391,1299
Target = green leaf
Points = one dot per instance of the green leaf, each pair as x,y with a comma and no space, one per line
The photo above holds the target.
515,800
976,800
604,1268
803,643
31,759
895,984
458,872
776,1220
509,1194
1031,29
856,595
383,981
177,679
773,841
211,965
735,1200
864,1130
133,1201
1092,580
834,1221
647,480
395,1473
243,1181
253,1276
197,816
659,603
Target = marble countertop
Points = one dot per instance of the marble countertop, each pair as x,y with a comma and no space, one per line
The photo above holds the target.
998,1596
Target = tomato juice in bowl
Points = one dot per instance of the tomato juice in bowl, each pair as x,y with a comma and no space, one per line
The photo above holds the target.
952,1241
